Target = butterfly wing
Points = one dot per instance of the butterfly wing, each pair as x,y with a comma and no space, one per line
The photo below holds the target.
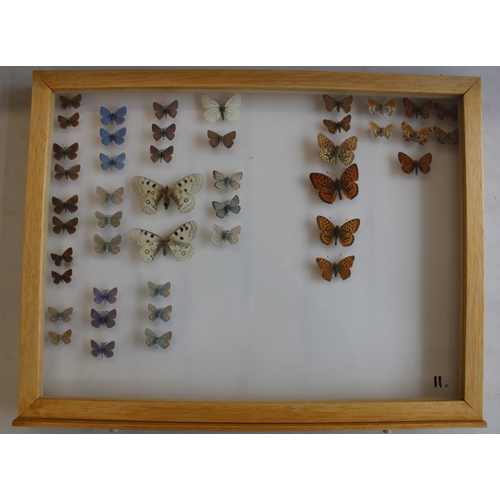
344,267
330,102
150,338
171,109
153,312
96,349
326,267
54,338
424,164
214,138
98,296
157,132
234,205
347,182
114,244
119,115
346,232
111,295
232,235
106,137
212,109
164,290
234,180
327,230
107,350
72,204
107,116
109,319
183,190
66,315
150,244
178,241
102,220
221,208
159,110
153,289
116,219
232,108
222,181
54,315
66,276
66,337
407,164
106,161
119,136
327,187
165,313
345,151
150,192
164,340
167,154
169,132
100,245
328,150
217,234
228,139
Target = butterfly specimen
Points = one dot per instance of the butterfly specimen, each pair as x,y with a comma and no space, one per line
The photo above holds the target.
446,114
69,205
66,276
162,313
328,188
222,209
330,233
103,318
60,226
104,221
164,111
223,181
70,103
331,103
446,137
55,315
334,127
70,173
117,117
66,151
112,161
163,133
330,152
153,341
105,349
226,140
161,154
56,339
67,257
117,137
410,135
331,269
71,121
162,290
181,192
219,235
101,246
216,111
177,242
381,131
105,295
408,165
414,110
116,197
387,108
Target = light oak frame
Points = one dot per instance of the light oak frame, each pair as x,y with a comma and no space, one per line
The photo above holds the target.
35,410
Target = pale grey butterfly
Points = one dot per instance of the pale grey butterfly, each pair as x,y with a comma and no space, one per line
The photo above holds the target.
223,181
116,197
153,341
223,209
113,246
104,221
215,111
162,290
55,315
162,313
56,339
220,235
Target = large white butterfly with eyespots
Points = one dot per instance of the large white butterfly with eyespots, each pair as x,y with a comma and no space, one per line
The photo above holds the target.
181,192
216,111
178,242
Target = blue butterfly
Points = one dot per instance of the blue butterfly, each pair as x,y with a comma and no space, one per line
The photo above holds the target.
118,137
223,209
108,117
112,161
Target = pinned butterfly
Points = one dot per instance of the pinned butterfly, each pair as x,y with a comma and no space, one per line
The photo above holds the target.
104,221
387,108
165,111
70,205
73,102
417,110
163,133
117,137
63,173
161,154
334,127
378,131
222,209
445,113
69,121
102,246
219,235
105,295
446,137
67,256
151,340
103,318
331,233
408,165
108,162
410,135
331,103
226,140
110,117
329,188
62,227
56,339
104,349
64,316
330,270
158,290
61,152
215,111
330,152
62,278
116,197
223,181
162,313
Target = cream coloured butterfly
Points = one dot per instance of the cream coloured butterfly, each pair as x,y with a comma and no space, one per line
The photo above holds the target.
231,236
177,242
181,192
216,111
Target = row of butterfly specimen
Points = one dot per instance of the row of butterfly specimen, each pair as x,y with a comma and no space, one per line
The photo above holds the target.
103,319
65,317
66,122
417,136
161,290
163,111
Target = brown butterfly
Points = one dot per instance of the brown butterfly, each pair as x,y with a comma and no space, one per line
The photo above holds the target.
65,206
381,131
446,137
66,276
408,165
164,111
72,121
343,124
60,226
67,257
163,133
330,152
161,154
328,188
387,108
63,152
330,233
70,103
330,269
413,110
70,173
331,103
446,114
216,139
56,339
410,135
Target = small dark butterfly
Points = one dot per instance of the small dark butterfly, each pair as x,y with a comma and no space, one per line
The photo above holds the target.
66,276
117,117
103,318
331,103
61,227
163,111
222,209
334,127
444,137
163,133
56,339
117,137
64,316
446,114
414,110
62,152
72,121
70,103
105,295
105,349
408,165
216,139
67,257
161,154
69,205
63,173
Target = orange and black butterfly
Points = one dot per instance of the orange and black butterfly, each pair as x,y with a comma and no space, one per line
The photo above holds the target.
375,107
414,110
163,133
67,257
164,111
61,227
332,103
70,205
446,137
330,152
70,103
70,173
334,127
410,135
66,276
408,165
63,152
446,114
381,131
72,121
329,188
226,140
330,233
161,154
332,269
